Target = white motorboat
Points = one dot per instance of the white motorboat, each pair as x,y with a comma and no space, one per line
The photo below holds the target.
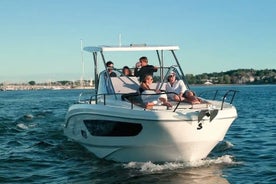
114,124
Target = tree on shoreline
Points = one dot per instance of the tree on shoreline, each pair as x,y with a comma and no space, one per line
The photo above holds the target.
239,76
32,83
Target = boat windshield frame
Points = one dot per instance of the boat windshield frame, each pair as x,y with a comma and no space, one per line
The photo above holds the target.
131,47
159,49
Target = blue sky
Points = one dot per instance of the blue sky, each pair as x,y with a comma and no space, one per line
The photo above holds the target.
40,39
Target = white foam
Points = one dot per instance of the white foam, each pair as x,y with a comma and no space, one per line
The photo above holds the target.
229,144
153,167
156,167
28,116
225,159
26,126
22,126
32,125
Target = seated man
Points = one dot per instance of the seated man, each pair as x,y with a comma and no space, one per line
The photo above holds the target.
110,66
175,88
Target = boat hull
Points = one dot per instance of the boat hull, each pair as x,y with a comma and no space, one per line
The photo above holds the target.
138,135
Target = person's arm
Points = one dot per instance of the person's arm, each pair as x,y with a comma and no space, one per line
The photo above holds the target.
152,68
137,69
136,72
167,87
182,88
181,96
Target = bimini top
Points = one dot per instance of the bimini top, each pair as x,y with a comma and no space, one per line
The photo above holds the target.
131,47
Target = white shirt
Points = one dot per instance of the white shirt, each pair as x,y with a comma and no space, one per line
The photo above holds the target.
177,87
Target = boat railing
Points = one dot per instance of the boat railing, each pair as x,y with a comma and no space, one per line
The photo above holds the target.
133,98
233,92
136,98
91,98
85,97
228,96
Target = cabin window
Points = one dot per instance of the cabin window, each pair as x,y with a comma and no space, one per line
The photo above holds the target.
112,128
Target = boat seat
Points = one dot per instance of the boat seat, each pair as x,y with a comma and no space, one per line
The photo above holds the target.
125,84
156,85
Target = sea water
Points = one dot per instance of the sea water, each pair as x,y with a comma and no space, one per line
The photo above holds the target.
33,148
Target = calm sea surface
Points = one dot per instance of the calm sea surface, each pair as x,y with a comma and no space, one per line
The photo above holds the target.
33,148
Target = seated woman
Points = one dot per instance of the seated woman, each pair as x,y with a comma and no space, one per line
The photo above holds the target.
191,97
151,97
127,71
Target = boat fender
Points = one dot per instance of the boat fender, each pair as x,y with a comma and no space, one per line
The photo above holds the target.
213,114
201,115
209,113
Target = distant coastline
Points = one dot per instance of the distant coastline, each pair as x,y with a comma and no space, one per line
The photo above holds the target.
232,77
59,85
16,87
239,76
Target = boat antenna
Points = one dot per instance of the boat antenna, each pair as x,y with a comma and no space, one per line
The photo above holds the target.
82,63
120,39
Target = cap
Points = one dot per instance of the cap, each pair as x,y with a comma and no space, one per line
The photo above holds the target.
172,73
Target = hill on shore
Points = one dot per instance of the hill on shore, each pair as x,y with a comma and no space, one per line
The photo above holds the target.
239,76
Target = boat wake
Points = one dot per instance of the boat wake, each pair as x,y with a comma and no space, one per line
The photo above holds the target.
223,146
30,120
150,167
25,122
